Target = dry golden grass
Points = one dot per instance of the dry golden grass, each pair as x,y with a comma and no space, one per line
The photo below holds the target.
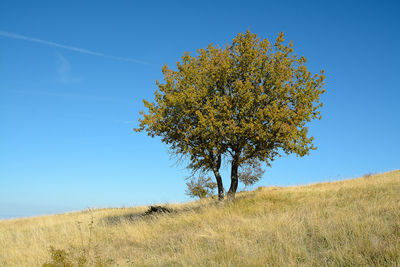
348,223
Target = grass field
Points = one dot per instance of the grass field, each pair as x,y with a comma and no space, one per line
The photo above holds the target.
348,223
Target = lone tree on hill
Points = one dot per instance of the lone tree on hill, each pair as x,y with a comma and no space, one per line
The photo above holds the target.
248,102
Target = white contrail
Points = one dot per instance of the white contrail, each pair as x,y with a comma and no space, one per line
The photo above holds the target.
76,49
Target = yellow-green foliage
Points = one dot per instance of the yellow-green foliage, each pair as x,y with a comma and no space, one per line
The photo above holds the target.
347,223
200,187
249,101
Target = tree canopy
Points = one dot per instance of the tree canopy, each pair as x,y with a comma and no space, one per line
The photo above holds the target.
247,102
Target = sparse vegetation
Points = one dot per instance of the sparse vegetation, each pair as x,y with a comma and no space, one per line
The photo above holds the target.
250,173
85,254
367,175
347,223
200,187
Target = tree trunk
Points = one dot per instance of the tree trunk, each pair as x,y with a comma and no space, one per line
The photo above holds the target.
220,185
234,179
216,166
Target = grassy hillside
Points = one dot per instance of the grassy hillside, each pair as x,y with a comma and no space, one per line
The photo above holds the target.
348,223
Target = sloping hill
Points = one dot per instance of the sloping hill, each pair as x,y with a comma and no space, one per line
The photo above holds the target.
348,223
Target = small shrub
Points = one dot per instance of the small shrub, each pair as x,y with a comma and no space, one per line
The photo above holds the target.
59,258
157,209
87,254
62,258
201,187
250,173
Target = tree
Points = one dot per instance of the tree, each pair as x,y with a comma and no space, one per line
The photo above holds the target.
250,173
247,102
200,187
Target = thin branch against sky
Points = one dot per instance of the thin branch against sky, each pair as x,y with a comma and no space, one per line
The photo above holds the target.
71,48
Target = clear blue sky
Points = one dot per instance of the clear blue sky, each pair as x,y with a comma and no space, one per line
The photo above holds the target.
73,75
